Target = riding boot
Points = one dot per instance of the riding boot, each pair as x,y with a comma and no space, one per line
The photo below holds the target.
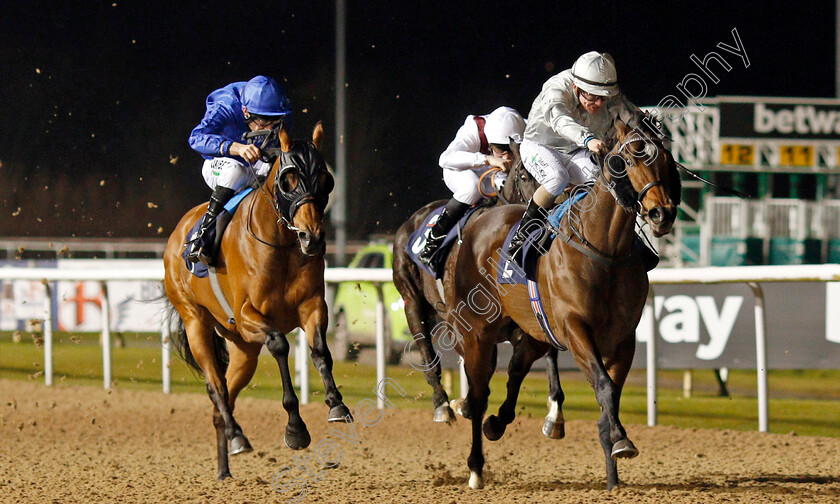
451,214
531,221
202,249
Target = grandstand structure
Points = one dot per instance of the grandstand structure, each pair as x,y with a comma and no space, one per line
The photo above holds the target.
784,153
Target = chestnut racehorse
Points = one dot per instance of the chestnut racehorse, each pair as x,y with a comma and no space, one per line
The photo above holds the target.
592,287
270,268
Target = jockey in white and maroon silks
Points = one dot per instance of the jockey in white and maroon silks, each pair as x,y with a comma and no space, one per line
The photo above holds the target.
481,144
237,108
568,120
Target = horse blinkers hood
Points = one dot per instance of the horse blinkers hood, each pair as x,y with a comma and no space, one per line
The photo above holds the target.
314,182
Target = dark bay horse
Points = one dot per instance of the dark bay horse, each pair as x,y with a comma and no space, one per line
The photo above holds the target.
271,271
594,290
424,309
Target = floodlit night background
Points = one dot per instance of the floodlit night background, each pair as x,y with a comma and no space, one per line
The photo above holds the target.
98,98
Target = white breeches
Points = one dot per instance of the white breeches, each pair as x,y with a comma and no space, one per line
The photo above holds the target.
555,170
230,173
464,183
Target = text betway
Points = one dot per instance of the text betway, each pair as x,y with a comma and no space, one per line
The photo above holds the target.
802,119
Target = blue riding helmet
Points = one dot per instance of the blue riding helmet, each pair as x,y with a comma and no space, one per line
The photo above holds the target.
263,96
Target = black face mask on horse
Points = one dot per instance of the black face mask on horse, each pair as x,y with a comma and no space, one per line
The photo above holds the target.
302,177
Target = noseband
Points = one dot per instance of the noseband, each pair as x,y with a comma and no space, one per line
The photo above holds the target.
307,168
650,185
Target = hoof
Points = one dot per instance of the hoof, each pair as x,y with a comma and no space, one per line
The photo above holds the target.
297,440
340,413
223,476
239,444
476,481
444,414
459,406
493,428
624,448
554,430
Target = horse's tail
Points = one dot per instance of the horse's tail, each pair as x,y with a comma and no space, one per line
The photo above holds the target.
178,338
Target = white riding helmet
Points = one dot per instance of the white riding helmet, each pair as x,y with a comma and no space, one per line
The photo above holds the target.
504,123
595,73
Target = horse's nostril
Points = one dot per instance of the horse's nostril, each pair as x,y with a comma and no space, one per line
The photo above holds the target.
303,236
655,215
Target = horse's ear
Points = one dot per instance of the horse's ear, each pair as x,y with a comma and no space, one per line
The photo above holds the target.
620,129
285,142
514,148
318,135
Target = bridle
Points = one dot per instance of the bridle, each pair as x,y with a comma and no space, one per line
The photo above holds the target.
287,200
514,173
616,162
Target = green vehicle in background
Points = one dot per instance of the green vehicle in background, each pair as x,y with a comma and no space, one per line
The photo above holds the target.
355,309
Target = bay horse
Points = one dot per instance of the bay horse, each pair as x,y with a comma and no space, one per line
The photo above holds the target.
593,288
270,268
425,307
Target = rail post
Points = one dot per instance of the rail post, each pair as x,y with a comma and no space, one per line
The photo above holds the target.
106,336
380,343
760,357
48,339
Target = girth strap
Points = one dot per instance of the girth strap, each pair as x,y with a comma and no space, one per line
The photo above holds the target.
220,296
539,314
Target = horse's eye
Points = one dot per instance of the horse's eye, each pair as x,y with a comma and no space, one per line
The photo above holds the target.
290,182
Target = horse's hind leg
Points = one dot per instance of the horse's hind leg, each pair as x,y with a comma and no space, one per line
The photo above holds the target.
554,426
421,316
315,326
243,363
526,350
422,320
206,348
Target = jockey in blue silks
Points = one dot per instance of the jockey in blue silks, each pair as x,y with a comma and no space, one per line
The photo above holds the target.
233,110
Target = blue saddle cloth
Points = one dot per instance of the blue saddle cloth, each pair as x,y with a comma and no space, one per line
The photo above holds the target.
535,246
417,240
200,269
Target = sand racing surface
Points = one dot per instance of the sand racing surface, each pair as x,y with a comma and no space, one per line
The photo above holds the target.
83,444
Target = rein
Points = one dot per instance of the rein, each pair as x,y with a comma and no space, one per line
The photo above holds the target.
584,246
516,186
274,203
250,137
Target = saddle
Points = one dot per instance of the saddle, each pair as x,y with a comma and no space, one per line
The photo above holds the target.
215,232
539,242
417,240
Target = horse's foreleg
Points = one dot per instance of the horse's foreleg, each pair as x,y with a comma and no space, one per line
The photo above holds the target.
526,350
612,435
555,424
315,326
297,436
477,363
